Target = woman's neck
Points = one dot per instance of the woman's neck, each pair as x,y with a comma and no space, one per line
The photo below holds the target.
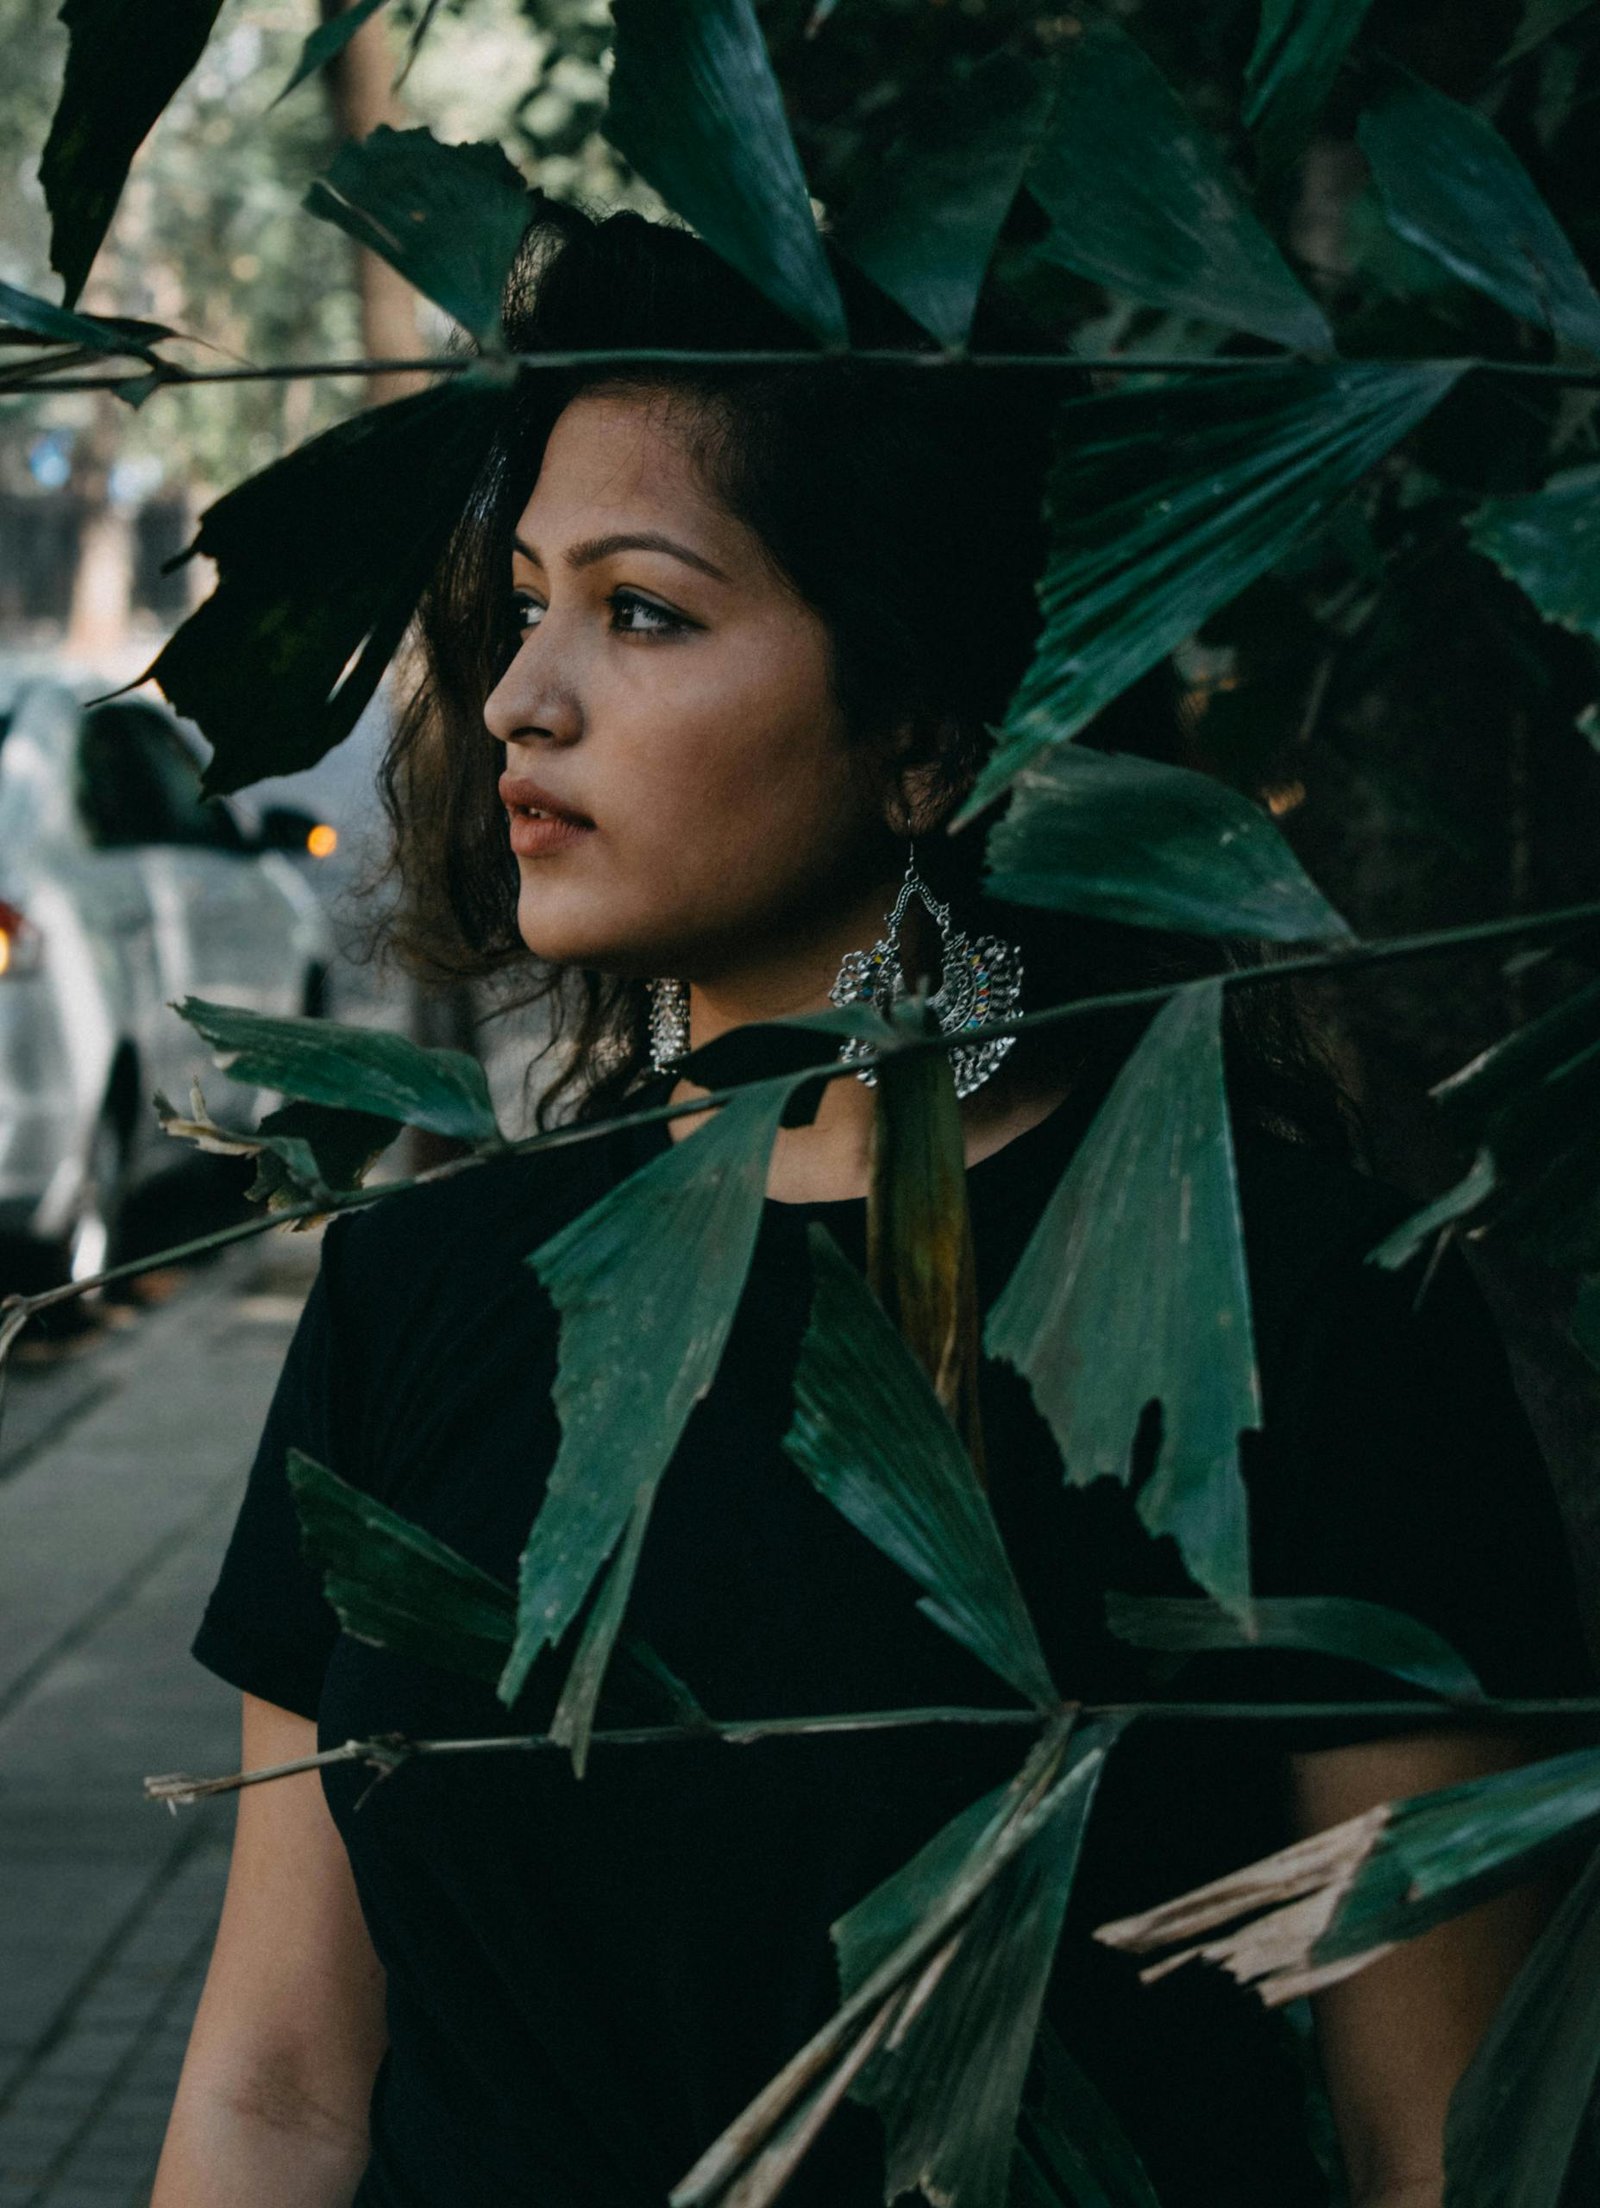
831,1159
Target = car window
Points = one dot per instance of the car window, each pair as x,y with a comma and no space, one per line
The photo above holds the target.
136,783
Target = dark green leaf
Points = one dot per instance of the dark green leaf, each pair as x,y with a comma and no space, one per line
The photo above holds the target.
866,1936
1585,1322
758,2153
328,41
586,1675
1440,1853
1297,54
395,1584
1071,2146
1532,1106
923,227
321,559
1549,543
1133,1290
1541,19
125,59
1335,1902
695,109
920,1260
869,1433
1451,186
949,2085
1165,503
303,1151
1320,1625
449,218
340,1147
647,1282
1517,2114
1140,198
354,1069
25,320
1124,839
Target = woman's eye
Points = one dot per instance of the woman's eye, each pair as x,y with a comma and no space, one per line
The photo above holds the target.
632,615
526,614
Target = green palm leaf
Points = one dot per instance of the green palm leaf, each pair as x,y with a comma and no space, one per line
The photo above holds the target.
1293,64
695,109
321,559
1529,2092
125,60
350,1069
1531,1104
1153,846
912,1955
1165,503
1140,198
1341,1626
1133,1290
449,218
1323,1909
924,226
647,1282
1451,186
1548,542
870,1435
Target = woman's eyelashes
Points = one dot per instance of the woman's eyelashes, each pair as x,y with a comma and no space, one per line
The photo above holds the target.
632,614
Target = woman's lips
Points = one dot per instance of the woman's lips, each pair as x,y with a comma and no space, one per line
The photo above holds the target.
540,822
535,834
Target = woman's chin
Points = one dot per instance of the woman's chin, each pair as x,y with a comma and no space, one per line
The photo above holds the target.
575,939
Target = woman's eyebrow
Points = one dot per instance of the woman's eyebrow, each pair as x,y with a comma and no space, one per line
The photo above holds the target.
594,549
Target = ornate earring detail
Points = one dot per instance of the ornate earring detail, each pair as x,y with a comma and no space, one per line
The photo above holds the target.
669,1025
978,982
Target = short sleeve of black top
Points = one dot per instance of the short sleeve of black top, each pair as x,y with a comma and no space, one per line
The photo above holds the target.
587,1980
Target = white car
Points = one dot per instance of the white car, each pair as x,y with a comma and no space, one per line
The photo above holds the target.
120,893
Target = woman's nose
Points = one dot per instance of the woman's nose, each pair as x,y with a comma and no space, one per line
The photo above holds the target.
533,701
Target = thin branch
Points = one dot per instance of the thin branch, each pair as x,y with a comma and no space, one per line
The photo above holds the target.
15,1311
166,373
386,1752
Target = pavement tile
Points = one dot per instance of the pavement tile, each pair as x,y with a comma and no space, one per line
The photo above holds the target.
110,1535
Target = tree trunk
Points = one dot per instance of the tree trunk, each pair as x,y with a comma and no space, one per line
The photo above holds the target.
102,582
361,96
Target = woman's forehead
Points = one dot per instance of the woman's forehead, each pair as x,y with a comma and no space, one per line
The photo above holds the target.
624,460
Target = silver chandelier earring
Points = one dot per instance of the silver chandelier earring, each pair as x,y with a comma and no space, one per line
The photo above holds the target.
669,1025
978,982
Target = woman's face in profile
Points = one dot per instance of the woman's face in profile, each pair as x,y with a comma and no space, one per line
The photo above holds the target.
681,795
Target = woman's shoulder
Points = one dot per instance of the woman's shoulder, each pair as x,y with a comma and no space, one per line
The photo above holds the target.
465,1228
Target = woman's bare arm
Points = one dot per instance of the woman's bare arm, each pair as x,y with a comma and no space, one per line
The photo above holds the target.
272,2103
1395,2038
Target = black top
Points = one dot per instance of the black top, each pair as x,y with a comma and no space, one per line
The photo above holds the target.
588,1979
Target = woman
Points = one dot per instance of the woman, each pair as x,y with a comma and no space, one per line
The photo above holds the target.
709,651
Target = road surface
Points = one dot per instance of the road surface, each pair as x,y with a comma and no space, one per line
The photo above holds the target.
120,1470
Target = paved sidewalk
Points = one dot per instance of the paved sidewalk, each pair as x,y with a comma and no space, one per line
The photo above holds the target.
110,1532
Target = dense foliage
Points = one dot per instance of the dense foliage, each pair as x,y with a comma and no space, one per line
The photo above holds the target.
1307,404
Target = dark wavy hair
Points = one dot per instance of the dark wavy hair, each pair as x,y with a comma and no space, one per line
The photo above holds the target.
904,506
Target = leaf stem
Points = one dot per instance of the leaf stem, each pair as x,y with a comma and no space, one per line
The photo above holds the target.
15,1311
456,364
388,1751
